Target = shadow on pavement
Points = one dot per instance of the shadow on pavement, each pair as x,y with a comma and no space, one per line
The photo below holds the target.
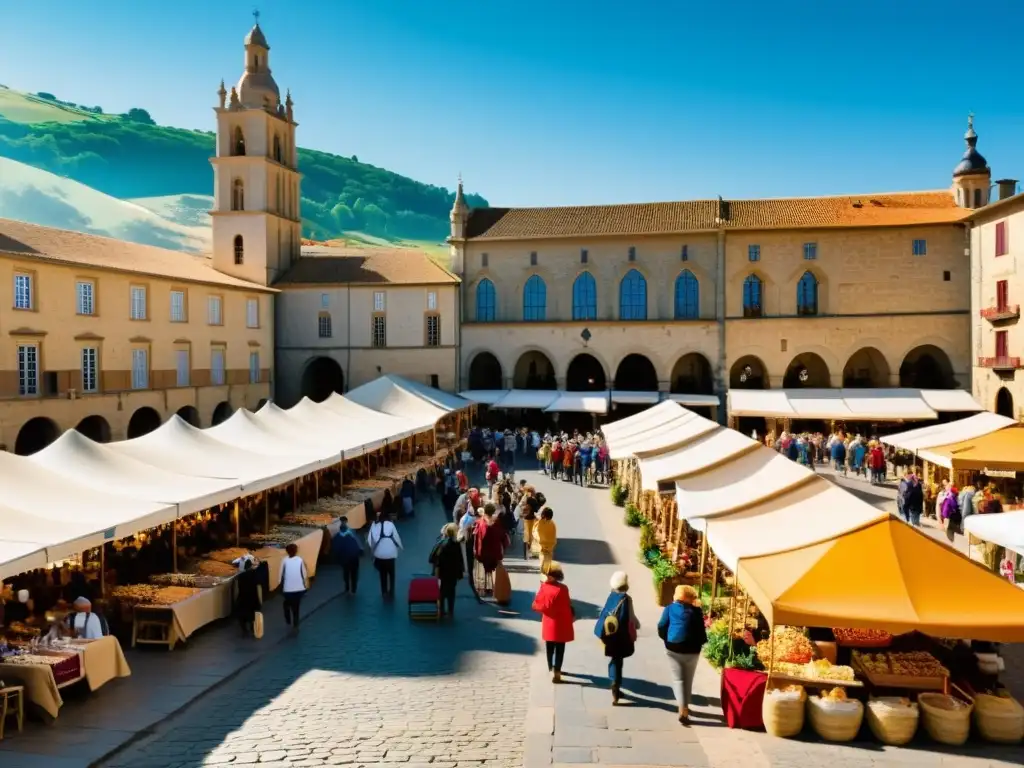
584,552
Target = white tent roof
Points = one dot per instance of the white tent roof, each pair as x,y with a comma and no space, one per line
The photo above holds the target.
19,556
179,447
708,451
952,432
671,434
849,404
1005,529
759,402
811,513
885,404
77,458
527,398
484,396
650,417
635,398
950,400
747,480
391,394
703,400
438,397
299,430
579,402
353,436
244,430
396,427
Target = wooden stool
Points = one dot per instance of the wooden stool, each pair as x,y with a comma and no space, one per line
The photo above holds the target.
16,693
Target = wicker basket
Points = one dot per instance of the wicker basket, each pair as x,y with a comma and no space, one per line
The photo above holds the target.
946,719
783,716
891,722
835,723
999,719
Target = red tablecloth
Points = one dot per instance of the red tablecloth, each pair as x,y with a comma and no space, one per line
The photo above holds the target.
742,696
68,669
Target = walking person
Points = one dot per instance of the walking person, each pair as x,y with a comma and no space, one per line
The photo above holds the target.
247,598
557,616
913,503
384,543
682,628
347,550
446,558
294,583
616,627
545,538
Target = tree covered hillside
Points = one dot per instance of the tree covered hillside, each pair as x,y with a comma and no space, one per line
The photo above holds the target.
128,156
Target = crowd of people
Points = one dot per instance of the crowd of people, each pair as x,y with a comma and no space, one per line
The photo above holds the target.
580,457
847,454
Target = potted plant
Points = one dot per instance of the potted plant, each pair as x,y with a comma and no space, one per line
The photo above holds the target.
666,579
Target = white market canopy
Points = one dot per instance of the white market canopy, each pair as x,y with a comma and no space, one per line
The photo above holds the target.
896,404
714,448
400,397
483,396
375,422
635,398
579,402
673,433
1005,529
638,422
527,398
695,400
969,428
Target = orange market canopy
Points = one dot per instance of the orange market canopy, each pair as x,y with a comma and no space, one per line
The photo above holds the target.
951,432
886,575
1001,451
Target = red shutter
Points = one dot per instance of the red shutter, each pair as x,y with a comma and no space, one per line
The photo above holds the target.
1001,248
1002,294
1001,345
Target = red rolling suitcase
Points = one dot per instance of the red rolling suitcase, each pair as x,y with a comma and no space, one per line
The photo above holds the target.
424,598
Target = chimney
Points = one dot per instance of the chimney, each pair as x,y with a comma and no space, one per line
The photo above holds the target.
1007,188
723,211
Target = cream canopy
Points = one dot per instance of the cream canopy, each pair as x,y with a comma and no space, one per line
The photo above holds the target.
676,431
951,432
713,448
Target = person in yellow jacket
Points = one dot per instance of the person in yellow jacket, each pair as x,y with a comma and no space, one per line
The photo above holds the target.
545,538
544,457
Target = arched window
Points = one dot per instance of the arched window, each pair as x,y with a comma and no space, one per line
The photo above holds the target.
238,145
687,296
277,148
752,306
584,297
633,297
323,325
535,299
239,250
486,305
237,195
807,295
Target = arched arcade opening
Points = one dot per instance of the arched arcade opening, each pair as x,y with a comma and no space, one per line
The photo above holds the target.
807,371
143,421
221,413
748,372
534,371
321,377
927,367
585,374
95,428
485,372
1004,403
35,434
190,414
691,375
866,368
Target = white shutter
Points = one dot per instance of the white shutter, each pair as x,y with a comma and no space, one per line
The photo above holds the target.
181,356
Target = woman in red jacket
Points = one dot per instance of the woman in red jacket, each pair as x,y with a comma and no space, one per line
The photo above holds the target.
557,616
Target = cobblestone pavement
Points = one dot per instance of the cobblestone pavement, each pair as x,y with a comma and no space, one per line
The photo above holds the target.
362,684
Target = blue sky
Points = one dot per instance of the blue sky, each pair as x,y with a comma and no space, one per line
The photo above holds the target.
571,102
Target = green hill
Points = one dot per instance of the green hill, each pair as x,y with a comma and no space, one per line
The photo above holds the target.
129,156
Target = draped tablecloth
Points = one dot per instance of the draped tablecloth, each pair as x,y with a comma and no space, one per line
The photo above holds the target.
40,687
103,660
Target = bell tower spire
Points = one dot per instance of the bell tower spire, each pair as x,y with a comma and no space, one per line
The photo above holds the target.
972,176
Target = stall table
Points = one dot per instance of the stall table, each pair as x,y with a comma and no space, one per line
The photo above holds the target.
170,624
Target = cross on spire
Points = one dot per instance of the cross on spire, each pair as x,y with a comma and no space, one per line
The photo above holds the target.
970,120
256,15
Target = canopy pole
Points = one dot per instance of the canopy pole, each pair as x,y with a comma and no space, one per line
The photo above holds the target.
238,525
316,484
266,511
703,558
174,546
732,617
103,568
714,578
295,496
341,475
771,652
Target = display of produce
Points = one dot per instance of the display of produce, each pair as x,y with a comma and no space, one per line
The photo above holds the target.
862,638
151,595
274,536
909,664
21,628
214,568
819,669
186,580
788,644
310,519
227,555
834,694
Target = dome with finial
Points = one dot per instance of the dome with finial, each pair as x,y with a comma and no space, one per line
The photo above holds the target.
257,87
256,37
972,163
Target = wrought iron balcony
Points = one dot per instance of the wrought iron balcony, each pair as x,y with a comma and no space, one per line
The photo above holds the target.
999,363
999,314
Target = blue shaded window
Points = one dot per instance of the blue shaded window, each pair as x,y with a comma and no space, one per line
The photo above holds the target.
753,253
584,297
684,254
752,290
810,251
535,299
633,297
485,302
632,253
807,295
920,247
687,296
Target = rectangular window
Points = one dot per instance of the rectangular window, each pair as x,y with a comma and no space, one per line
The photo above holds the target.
323,325
632,253
217,367
182,367
1002,343
325,300
431,301
920,247
140,369
28,369
254,367
1002,246
214,316
433,330
483,259
379,301
252,313
138,302
23,291
584,255
380,331
533,258
90,368
85,293
178,307
753,253
810,251
1002,295
684,254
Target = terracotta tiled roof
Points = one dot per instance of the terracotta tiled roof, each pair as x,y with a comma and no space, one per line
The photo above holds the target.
898,209
61,246
325,264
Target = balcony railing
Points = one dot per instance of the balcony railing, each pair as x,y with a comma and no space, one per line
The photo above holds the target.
1001,314
999,363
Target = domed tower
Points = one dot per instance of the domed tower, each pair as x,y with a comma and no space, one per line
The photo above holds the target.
459,218
972,177
257,226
